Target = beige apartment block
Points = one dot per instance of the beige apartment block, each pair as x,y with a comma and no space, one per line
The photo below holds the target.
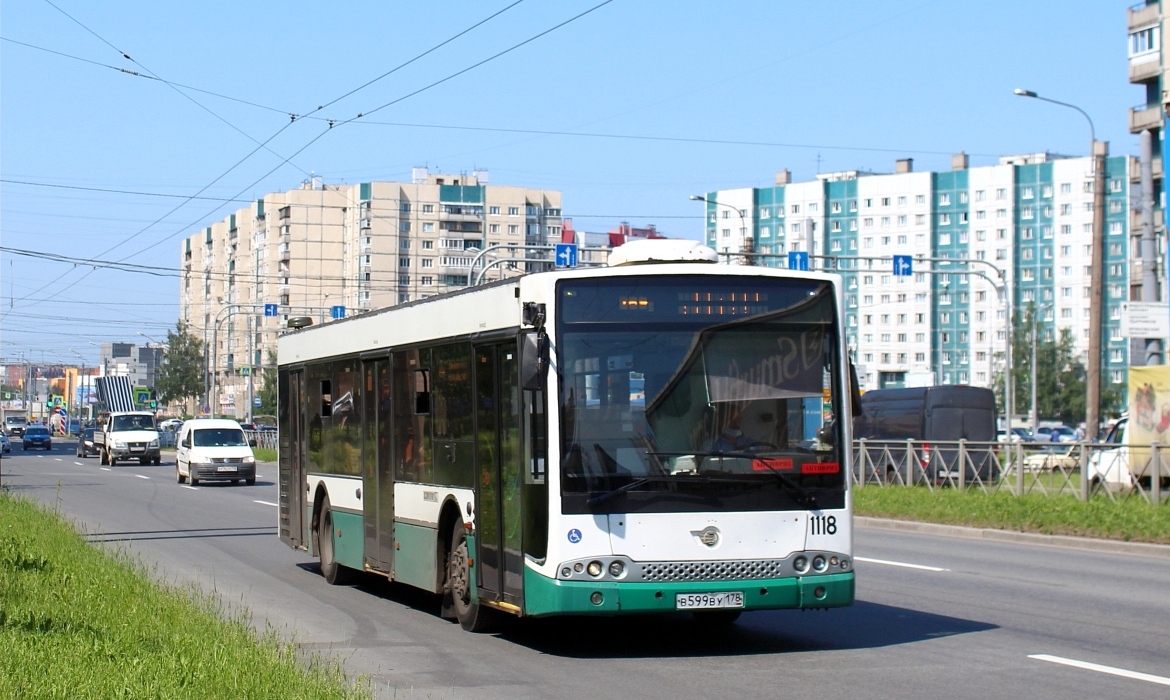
321,249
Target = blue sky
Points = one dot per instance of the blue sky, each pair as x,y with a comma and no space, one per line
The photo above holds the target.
816,87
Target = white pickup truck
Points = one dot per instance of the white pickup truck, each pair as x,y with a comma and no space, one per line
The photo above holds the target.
127,435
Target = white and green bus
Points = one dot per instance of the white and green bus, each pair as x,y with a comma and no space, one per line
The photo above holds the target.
629,439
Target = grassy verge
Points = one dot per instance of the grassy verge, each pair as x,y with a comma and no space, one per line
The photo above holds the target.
1130,519
263,454
78,622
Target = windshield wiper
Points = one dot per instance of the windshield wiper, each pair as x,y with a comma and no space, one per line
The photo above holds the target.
642,481
804,496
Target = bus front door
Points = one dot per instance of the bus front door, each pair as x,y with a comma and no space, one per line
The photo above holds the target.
499,558
290,386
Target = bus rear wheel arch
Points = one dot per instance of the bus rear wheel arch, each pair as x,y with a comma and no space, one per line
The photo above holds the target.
335,574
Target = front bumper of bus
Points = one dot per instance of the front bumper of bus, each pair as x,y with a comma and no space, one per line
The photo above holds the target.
546,596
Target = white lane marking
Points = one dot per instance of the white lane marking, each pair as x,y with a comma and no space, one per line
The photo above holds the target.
1111,670
266,503
141,476
899,563
105,469
58,459
189,487
80,464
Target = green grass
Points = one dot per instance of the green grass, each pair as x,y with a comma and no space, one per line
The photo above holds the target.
78,622
263,454
1129,519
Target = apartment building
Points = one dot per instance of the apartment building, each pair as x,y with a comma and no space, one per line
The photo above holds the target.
1022,229
325,251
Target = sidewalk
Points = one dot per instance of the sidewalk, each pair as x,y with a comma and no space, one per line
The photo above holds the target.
1160,551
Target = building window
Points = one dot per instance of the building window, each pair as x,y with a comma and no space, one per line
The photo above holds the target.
944,199
513,229
404,262
428,208
493,210
404,226
428,227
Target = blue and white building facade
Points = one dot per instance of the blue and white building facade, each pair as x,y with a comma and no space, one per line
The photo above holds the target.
1024,226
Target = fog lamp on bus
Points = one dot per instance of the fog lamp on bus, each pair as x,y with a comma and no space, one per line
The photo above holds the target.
595,598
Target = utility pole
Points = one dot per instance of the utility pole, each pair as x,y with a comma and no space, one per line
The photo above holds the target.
1097,294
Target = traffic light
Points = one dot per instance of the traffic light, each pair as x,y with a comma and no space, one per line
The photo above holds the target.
153,404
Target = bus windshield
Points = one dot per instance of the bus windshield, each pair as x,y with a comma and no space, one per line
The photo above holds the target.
693,393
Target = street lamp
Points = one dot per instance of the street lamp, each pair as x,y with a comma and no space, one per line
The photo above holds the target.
83,392
745,245
1098,151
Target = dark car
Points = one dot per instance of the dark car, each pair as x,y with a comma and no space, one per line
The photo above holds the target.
36,436
85,446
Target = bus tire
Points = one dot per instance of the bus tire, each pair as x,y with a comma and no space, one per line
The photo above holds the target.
472,617
335,574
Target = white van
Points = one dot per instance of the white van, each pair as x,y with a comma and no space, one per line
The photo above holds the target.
1122,466
214,450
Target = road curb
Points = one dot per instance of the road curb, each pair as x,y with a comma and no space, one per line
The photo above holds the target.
1088,544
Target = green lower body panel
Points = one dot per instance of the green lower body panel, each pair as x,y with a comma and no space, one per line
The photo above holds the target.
546,596
349,539
415,556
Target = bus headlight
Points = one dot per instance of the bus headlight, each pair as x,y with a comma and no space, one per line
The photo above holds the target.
594,568
800,564
616,568
819,563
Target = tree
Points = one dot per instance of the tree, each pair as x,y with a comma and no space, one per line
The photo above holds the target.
267,391
181,375
1059,373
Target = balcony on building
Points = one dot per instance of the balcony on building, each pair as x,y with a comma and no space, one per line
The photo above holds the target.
1145,117
285,253
1143,14
1144,69
1135,169
461,212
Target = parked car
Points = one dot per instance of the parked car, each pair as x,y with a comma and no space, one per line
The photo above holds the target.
5,443
1054,458
85,446
1055,433
1017,435
214,450
36,436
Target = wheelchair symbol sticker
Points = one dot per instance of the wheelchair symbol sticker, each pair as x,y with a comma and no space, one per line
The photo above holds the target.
574,535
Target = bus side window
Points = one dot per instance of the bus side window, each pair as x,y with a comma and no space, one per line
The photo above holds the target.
422,391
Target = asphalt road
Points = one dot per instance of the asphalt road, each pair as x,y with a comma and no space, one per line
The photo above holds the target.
935,616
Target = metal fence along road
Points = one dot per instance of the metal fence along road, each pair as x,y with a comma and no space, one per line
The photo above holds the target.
265,439
1073,469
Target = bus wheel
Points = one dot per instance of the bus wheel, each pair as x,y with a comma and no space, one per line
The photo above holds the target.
716,618
472,616
334,573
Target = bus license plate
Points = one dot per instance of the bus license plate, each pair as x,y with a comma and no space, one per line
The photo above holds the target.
692,601
225,469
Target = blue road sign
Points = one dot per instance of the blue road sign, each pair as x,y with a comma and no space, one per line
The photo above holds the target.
256,401
797,260
337,311
271,310
566,255
903,266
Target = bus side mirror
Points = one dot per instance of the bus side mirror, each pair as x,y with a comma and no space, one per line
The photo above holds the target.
534,360
854,391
